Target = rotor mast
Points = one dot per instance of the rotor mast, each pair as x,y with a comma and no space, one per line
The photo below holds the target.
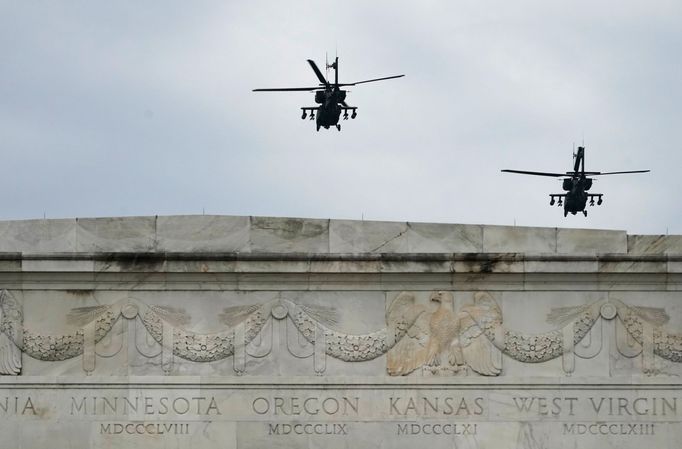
579,163
335,65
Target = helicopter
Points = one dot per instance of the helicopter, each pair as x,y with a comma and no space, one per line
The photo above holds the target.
576,184
330,97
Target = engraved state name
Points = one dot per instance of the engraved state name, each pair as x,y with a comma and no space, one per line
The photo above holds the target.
143,405
600,406
352,406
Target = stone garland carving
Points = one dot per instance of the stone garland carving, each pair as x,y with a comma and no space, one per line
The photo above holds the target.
63,347
533,348
665,344
348,347
204,347
416,335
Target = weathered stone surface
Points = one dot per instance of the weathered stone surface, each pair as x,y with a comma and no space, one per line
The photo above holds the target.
213,233
444,238
249,332
202,233
367,237
289,235
507,239
129,234
655,244
577,241
38,236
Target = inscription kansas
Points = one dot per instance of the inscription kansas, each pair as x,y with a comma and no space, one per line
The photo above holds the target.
436,405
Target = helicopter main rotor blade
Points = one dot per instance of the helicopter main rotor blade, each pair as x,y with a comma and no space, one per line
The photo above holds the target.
371,81
620,172
289,89
536,173
317,72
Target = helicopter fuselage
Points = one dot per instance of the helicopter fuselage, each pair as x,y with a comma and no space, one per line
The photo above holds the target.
329,111
576,194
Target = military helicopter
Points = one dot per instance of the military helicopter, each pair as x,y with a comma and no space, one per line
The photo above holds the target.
329,96
576,183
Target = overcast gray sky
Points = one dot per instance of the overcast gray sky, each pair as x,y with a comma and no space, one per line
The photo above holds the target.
145,108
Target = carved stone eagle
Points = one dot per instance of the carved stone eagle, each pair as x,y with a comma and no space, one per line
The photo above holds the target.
442,336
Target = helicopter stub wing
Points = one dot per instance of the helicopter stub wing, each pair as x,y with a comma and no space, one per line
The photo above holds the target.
562,196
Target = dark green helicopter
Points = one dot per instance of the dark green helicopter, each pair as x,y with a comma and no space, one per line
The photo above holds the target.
576,184
330,97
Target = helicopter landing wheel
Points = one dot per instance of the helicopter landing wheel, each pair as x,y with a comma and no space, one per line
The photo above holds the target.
338,127
565,213
585,213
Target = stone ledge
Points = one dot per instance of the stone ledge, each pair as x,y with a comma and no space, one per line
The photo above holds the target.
246,234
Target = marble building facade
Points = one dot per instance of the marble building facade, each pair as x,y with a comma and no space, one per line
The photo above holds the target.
251,332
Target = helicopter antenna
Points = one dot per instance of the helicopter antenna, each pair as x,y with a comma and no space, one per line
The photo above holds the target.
326,67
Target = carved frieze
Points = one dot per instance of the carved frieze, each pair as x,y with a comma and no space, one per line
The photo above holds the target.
431,339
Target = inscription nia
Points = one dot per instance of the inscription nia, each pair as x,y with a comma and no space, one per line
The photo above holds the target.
14,405
146,405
